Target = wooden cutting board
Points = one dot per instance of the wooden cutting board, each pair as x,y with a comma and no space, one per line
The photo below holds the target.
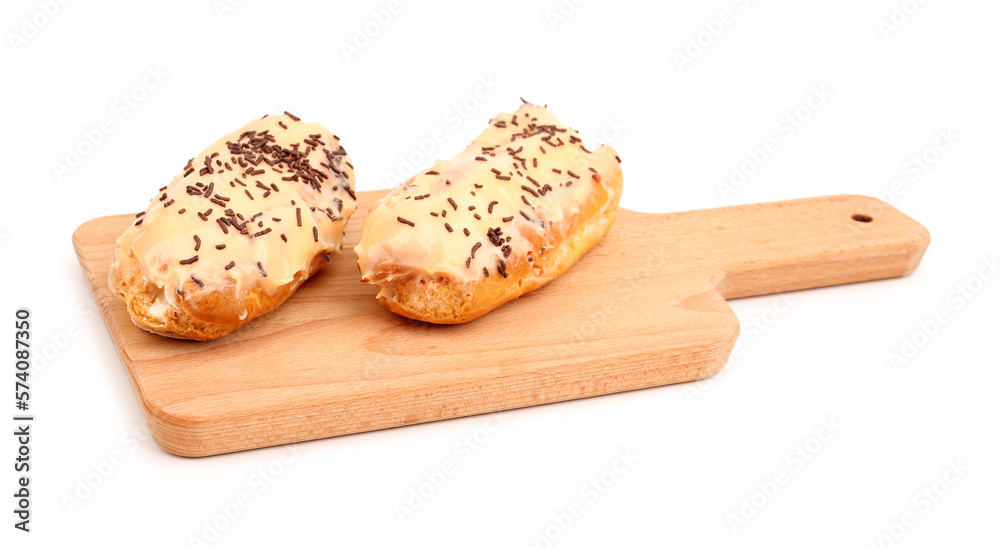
646,307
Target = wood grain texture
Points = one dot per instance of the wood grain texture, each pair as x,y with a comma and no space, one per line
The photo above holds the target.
646,307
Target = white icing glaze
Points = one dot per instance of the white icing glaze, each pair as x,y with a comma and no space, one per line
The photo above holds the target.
526,146
156,246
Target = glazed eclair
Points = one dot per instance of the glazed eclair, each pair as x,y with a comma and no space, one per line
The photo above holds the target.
507,215
249,220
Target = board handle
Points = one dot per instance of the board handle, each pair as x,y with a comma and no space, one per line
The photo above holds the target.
815,242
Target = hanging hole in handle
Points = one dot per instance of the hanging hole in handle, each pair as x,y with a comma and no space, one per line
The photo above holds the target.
862,218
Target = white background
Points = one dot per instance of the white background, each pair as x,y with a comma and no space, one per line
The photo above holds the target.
611,70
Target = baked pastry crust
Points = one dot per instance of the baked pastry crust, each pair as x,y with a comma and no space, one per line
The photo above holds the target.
255,215
512,212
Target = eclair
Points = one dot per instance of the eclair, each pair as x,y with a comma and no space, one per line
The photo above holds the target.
507,215
247,221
